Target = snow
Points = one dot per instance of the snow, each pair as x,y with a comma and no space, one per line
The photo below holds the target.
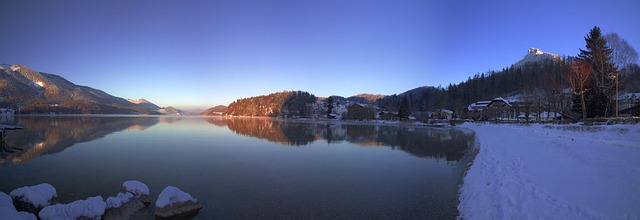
5,200
118,200
9,212
16,67
38,195
136,187
172,195
92,207
553,172
536,55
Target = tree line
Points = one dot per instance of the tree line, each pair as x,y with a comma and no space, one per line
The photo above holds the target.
279,104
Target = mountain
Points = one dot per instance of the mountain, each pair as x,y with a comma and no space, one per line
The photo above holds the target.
536,55
365,98
171,111
30,91
145,104
217,110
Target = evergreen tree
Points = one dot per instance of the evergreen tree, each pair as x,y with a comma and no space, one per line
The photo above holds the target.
403,110
329,106
601,86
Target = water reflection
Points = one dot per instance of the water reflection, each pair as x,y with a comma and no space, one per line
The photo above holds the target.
449,144
46,135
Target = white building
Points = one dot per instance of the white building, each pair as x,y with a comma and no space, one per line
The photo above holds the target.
6,111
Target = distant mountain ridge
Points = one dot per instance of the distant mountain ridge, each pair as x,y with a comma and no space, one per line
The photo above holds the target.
30,91
171,111
217,110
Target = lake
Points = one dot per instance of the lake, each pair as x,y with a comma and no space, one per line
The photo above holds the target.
246,168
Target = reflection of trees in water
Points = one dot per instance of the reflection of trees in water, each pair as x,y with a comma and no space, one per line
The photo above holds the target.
45,135
449,144
426,142
217,121
272,130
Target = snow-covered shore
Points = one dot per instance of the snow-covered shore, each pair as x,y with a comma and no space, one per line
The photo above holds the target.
553,172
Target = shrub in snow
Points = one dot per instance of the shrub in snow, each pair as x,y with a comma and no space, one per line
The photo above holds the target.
33,198
122,206
138,189
91,208
173,203
9,212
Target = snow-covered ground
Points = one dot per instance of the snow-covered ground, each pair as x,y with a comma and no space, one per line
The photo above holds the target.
553,172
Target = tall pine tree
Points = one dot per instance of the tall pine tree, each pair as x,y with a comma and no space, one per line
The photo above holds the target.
403,111
601,86
329,106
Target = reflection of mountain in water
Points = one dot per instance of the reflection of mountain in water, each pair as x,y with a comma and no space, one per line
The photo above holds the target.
449,144
45,135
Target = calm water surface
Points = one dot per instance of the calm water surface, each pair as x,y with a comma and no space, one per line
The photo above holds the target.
246,168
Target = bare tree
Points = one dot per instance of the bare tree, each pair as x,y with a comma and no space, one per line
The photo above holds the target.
577,77
623,54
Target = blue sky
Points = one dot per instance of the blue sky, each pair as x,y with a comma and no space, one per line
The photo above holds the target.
198,54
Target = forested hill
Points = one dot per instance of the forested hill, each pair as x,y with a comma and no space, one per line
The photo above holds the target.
280,104
543,77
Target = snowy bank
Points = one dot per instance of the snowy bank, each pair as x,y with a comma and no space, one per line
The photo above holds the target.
553,172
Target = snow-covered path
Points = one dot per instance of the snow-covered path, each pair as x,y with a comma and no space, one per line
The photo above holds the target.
553,172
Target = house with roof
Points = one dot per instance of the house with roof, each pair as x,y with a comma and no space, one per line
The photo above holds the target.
496,109
360,112
628,100
6,111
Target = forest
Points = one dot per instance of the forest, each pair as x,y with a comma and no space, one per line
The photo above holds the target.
280,104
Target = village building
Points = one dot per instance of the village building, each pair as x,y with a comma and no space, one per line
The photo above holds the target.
628,100
442,114
360,112
387,115
6,111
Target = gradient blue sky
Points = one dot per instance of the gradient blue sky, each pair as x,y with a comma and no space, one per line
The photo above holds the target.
198,54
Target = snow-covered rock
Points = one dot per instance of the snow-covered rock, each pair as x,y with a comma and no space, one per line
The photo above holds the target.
5,200
122,206
135,187
118,200
138,189
174,203
536,55
9,212
33,198
16,67
92,208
